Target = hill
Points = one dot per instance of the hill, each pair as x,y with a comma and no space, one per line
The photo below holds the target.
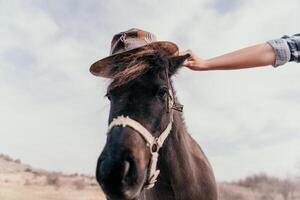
22,182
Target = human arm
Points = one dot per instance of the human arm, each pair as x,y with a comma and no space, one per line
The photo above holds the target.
274,52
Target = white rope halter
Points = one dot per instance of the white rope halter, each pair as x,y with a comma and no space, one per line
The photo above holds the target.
154,143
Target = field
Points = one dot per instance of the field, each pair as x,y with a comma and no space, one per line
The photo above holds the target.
22,182
17,192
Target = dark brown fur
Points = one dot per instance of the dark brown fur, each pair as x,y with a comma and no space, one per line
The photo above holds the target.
185,171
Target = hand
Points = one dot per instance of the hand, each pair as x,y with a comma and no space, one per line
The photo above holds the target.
194,62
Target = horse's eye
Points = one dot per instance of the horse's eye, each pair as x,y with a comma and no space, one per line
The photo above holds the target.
108,96
162,93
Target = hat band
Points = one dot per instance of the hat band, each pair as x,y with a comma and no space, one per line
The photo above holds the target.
127,44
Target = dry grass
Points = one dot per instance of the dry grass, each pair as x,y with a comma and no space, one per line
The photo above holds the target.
21,182
261,187
33,192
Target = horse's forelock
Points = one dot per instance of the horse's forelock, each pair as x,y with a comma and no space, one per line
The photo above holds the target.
134,66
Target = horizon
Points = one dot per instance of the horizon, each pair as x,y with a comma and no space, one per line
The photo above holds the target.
18,161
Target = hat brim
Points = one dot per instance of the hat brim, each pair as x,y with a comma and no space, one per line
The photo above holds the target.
104,67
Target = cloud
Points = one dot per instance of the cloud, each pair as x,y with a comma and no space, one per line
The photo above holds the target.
53,113
223,7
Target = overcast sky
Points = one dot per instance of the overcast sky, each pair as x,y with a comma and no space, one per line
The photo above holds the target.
52,111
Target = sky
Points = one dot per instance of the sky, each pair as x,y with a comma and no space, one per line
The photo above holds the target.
53,113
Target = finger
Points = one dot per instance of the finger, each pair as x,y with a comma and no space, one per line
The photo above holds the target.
192,55
185,63
189,63
192,64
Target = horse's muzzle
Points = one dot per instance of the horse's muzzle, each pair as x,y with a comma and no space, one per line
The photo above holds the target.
114,179
116,171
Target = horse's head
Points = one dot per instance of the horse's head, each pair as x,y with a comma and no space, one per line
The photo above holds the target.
141,92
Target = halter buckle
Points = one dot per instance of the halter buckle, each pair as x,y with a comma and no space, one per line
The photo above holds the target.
154,147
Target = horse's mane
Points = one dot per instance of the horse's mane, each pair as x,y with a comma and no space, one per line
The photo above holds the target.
130,67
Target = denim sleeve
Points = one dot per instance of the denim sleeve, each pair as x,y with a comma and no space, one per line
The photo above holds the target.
286,49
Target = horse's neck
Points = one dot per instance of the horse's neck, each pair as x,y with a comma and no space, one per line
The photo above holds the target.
175,161
183,167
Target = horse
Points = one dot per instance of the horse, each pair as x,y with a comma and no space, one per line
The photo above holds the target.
149,154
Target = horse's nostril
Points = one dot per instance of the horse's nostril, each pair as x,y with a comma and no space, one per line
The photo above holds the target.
114,172
126,169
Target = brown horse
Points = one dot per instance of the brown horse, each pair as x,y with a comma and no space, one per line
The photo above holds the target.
144,94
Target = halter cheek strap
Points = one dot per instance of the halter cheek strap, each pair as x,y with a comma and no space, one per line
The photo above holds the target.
154,143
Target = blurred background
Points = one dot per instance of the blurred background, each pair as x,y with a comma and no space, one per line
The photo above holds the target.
53,113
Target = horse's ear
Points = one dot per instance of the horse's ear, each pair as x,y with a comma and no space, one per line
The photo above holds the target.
175,62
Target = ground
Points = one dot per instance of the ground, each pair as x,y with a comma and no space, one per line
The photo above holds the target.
23,182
